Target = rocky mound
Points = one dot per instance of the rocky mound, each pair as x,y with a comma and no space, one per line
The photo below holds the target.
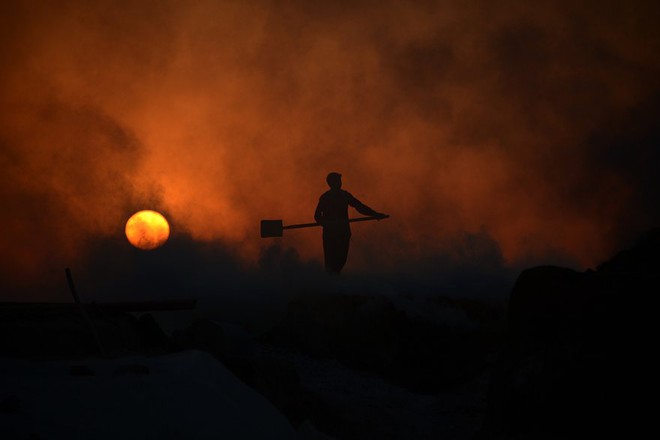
426,344
50,330
572,359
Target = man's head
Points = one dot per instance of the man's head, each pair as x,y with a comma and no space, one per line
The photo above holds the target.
334,180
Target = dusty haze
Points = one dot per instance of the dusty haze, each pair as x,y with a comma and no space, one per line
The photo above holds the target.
534,126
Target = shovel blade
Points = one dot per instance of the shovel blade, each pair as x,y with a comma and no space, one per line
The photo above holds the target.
271,228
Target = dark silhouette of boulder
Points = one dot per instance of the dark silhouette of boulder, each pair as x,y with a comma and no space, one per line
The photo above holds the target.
273,377
188,395
373,334
152,337
139,369
10,404
572,359
81,371
52,330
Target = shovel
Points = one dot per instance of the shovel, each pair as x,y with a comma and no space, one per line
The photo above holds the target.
275,228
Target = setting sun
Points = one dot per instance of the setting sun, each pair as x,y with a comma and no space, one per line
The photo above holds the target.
147,230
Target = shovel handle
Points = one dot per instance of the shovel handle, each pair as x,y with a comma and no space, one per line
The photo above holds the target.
301,225
364,219
351,220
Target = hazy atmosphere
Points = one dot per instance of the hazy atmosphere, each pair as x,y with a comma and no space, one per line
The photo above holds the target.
496,134
501,158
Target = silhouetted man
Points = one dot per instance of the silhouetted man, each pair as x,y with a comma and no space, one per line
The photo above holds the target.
332,214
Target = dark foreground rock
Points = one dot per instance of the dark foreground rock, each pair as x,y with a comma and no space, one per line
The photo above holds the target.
184,395
573,360
357,366
427,344
274,377
29,330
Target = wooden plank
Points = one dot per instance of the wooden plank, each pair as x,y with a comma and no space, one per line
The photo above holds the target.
126,306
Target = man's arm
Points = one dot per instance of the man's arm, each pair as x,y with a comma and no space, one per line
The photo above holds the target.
362,208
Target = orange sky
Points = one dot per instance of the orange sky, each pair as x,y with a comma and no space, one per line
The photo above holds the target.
491,117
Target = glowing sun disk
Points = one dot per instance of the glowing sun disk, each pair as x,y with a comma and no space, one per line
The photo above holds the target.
147,230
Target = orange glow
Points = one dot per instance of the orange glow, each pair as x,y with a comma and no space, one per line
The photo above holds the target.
225,113
147,230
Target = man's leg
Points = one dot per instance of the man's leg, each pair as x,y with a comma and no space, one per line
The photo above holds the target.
335,250
342,251
327,252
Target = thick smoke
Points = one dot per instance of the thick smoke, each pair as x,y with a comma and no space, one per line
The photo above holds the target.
534,126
